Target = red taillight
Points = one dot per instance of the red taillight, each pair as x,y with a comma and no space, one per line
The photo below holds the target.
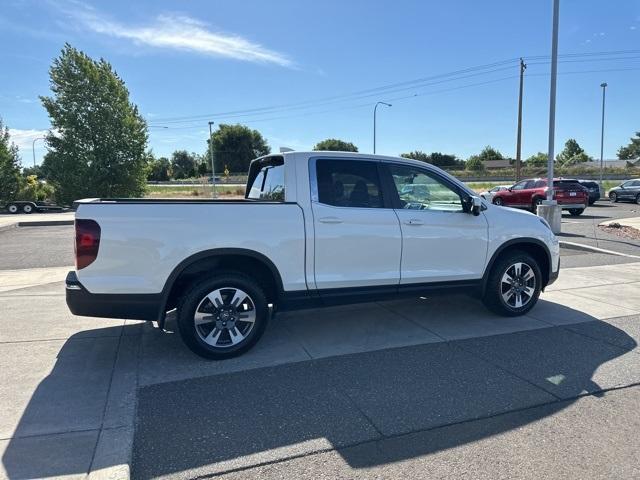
87,242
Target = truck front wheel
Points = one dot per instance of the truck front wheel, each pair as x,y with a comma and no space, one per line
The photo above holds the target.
223,316
514,284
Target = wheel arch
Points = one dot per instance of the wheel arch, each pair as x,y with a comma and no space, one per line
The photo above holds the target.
533,246
202,263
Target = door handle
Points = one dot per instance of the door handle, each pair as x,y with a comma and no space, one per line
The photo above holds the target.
330,220
414,221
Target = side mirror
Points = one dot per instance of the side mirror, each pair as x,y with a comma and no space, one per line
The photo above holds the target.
473,205
476,205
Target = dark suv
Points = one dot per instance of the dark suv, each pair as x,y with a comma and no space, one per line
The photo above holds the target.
569,194
593,188
629,190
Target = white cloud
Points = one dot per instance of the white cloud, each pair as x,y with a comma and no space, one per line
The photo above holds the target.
180,32
24,138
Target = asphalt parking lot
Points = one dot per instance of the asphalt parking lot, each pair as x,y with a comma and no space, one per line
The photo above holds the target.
429,388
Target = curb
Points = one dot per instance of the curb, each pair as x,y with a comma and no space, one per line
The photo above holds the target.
36,223
589,248
45,223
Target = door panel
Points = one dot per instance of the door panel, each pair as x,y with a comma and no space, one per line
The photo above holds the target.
357,241
440,242
356,247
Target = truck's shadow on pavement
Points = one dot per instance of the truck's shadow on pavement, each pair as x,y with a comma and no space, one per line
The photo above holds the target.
232,421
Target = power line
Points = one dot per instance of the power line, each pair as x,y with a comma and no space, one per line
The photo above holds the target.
395,87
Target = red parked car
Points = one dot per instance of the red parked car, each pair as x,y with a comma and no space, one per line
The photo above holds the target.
569,194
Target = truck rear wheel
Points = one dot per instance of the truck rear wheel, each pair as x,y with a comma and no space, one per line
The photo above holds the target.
514,284
12,208
27,208
223,316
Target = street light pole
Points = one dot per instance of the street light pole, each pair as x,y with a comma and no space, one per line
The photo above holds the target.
213,168
549,209
523,67
33,149
604,89
374,122
552,100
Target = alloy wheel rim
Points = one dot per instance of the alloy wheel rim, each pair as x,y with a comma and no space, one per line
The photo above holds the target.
518,285
225,317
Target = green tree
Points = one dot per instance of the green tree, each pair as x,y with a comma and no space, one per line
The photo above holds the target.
10,179
572,153
159,169
537,160
98,142
631,151
490,153
474,164
436,158
335,145
235,146
183,164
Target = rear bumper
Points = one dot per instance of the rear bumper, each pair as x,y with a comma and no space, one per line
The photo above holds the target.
572,206
133,306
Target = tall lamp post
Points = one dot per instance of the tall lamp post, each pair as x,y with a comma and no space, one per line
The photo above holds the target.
33,148
375,109
213,168
550,210
604,89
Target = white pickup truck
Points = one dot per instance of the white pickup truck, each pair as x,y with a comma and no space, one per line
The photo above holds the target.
315,228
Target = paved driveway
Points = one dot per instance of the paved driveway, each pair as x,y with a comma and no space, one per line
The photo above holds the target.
357,390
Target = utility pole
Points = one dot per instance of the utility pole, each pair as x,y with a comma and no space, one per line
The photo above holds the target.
523,67
213,168
604,89
374,122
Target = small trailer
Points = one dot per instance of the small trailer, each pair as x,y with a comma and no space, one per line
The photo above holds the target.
26,206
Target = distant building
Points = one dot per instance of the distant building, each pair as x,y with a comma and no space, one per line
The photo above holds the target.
496,164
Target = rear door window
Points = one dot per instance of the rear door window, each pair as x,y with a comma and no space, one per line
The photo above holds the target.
349,183
268,183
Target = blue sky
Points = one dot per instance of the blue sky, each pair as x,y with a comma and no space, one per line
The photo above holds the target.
203,59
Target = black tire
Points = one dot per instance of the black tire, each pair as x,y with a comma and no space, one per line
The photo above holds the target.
13,208
28,208
613,196
536,202
498,201
576,211
194,298
638,199
495,289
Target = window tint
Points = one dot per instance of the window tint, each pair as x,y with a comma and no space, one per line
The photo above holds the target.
268,184
540,184
519,186
349,183
418,190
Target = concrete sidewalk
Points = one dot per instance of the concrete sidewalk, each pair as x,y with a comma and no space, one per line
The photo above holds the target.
68,404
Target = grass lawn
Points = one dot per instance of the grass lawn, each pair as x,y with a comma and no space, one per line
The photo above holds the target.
193,191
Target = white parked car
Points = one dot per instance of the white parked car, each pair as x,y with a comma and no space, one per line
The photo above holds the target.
315,229
488,194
